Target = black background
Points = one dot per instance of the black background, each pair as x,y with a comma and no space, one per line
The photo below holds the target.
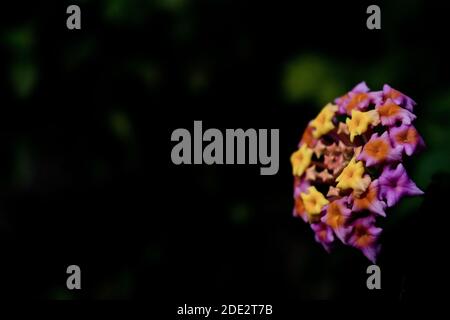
141,227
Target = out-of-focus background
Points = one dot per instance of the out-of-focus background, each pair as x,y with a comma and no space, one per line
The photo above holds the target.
85,125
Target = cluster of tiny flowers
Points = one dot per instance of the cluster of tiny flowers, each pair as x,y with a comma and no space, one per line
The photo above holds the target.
348,167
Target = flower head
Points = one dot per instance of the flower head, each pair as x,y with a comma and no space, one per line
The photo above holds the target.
361,177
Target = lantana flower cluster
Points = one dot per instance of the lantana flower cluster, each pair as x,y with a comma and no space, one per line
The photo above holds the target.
348,167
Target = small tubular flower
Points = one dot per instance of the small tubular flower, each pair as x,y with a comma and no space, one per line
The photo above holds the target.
398,98
395,183
360,121
323,122
359,98
323,234
300,185
313,201
352,177
407,138
369,200
308,138
378,150
391,113
300,160
336,217
365,237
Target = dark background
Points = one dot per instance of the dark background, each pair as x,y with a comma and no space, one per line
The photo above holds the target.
86,176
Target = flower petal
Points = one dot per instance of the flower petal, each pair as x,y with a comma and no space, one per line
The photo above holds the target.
395,183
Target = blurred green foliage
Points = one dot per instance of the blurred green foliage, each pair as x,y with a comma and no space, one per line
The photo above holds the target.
23,166
23,69
435,128
59,293
120,287
121,125
23,78
20,40
311,77
240,213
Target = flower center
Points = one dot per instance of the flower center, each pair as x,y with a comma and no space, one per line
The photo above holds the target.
360,231
350,174
389,110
